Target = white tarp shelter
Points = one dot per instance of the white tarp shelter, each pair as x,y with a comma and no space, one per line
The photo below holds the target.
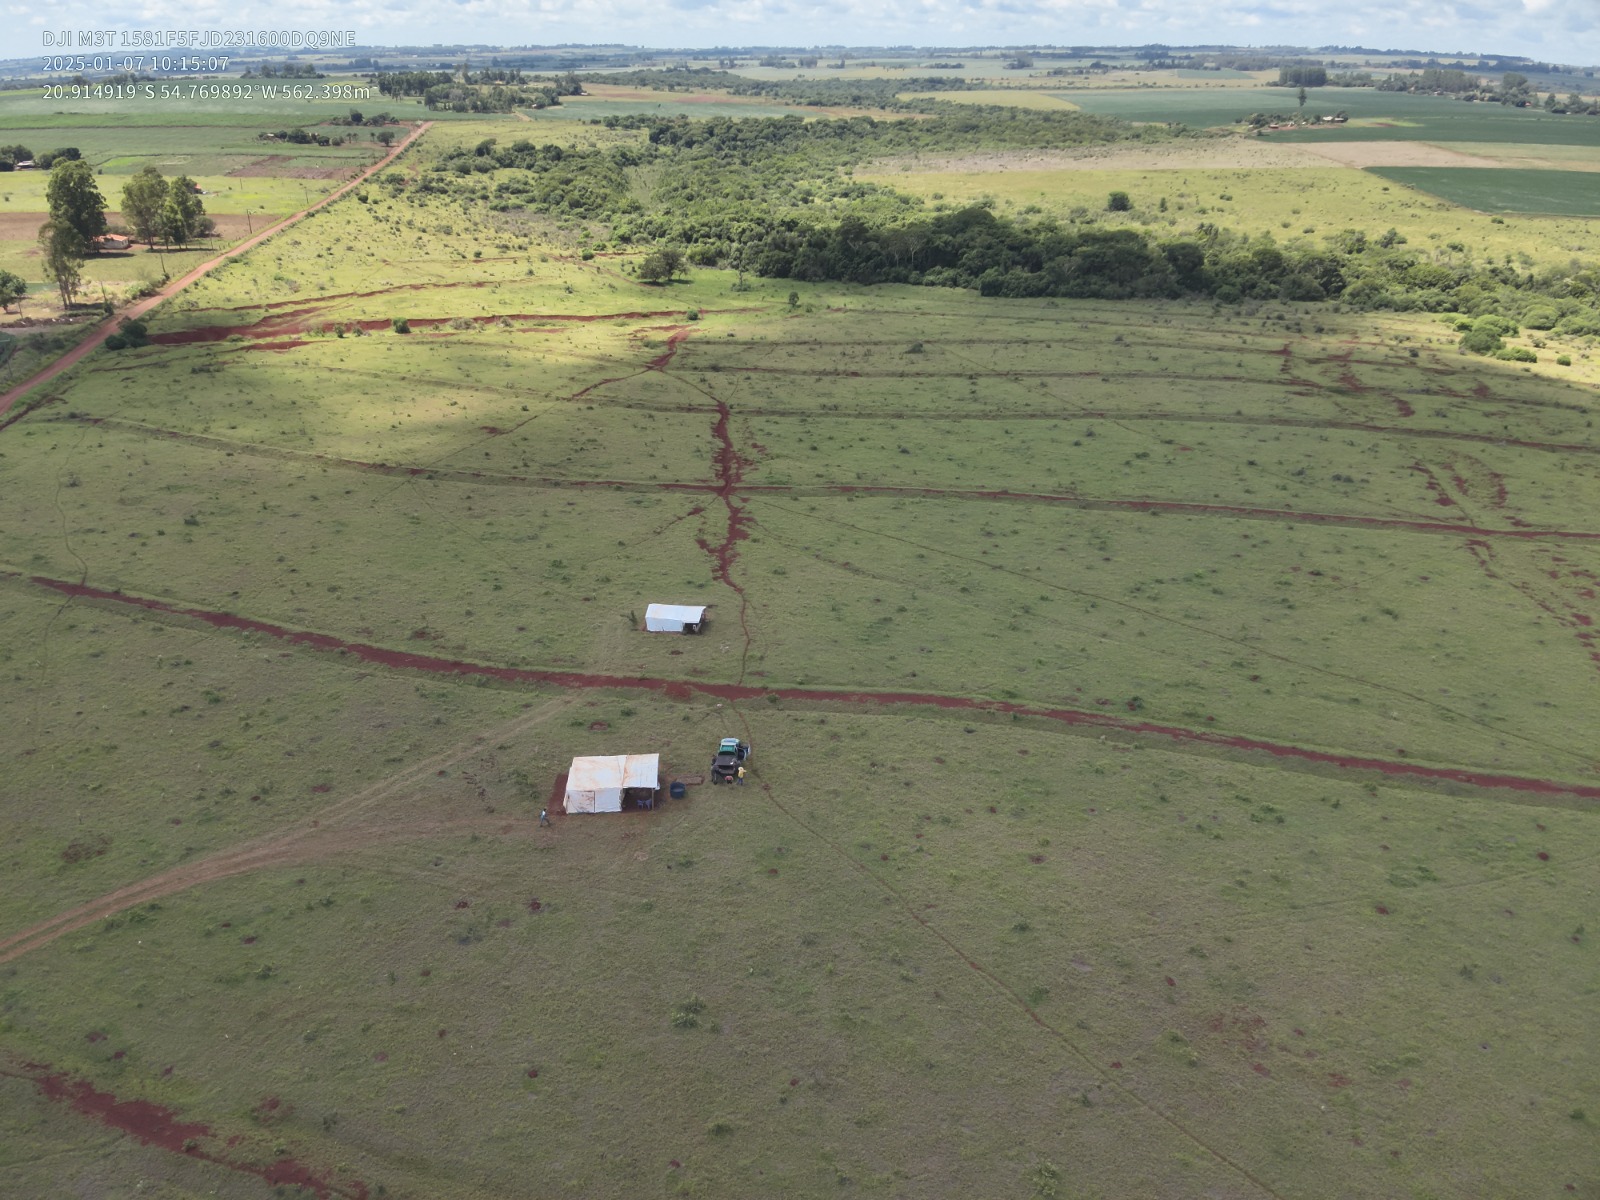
674,618
597,784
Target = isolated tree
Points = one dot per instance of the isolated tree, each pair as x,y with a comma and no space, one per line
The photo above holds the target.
1119,202
75,201
62,251
12,289
661,265
143,199
180,215
1302,97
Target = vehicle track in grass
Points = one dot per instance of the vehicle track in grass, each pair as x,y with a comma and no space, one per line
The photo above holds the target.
1552,585
684,689
1096,1066
347,826
1154,416
728,483
1187,627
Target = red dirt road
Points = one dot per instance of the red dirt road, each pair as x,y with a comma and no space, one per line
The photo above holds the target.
109,325
676,689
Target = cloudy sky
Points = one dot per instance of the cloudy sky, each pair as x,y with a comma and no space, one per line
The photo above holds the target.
1555,30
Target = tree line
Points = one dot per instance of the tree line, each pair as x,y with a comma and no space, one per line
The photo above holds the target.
774,197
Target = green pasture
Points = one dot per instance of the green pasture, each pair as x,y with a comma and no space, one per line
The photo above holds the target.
1289,203
1199,958
930,949
1382,116
195,151
34,110
1197,413
1522,190
223,194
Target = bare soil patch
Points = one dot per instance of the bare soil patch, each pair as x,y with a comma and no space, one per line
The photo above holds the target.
20,226
278,165
1396,154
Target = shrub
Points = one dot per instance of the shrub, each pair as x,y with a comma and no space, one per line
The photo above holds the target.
1541,317
1119,202
1517,354
401,325
1563,360
1482,341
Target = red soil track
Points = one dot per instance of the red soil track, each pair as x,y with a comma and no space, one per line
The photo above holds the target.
729,466
153,1125
682,690
109,325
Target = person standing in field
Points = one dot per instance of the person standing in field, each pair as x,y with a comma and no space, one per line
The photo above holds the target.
544,816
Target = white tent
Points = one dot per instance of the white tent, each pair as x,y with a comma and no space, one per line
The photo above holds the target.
674,618
597,784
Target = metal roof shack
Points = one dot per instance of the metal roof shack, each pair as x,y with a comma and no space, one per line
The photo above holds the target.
675,618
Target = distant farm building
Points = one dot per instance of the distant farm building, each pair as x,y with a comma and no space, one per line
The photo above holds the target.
675,618
111,241
608,783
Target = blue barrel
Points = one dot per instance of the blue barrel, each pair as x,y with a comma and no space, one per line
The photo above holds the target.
677,790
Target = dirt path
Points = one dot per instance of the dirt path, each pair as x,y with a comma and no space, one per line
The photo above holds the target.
109,325
681,689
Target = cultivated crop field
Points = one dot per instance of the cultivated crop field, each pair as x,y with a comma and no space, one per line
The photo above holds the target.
1568,193
1173,764
1374,115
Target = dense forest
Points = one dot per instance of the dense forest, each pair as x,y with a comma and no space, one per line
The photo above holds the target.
776,198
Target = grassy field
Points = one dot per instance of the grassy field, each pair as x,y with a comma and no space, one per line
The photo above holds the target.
605,100
1172,738
1563,193
1010,98
1305,201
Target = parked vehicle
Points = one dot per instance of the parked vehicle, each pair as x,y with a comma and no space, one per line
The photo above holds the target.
731,755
